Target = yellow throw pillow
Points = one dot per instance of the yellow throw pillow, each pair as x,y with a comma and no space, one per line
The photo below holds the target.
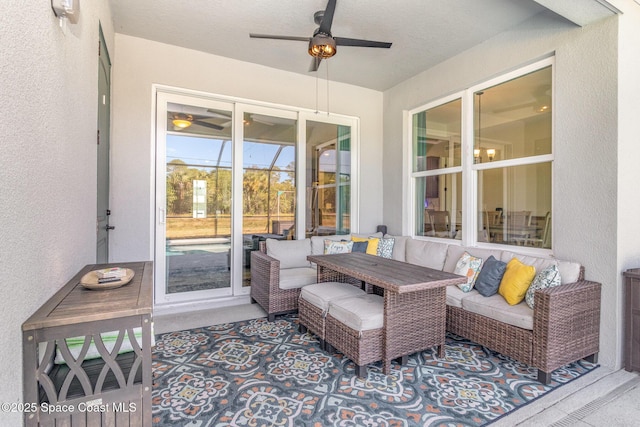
372,247
516,281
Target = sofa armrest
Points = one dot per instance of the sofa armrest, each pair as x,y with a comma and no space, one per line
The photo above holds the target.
566,324
265,272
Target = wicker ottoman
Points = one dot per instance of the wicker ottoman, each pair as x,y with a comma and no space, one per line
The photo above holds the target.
354,326
313,305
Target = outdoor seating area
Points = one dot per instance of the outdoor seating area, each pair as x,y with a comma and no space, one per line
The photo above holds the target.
220,168
557,323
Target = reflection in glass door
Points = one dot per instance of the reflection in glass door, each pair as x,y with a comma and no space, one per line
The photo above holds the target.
269,180
195,215
328,178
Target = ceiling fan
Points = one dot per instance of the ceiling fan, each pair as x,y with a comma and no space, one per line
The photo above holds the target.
322,44
182,121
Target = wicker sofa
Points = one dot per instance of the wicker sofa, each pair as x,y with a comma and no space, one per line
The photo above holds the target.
563,327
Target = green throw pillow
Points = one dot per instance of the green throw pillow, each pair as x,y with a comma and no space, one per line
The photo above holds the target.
547,278
385,247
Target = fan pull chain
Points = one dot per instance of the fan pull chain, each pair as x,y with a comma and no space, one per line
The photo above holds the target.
317,78
327,65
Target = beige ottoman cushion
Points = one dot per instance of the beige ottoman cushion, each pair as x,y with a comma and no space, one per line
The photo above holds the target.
361,313
319,294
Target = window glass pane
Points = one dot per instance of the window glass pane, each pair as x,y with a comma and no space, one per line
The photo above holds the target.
513,119
515,205
436,137
439,206
287,158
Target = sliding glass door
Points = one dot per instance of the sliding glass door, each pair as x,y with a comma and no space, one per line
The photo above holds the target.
193,198
227,179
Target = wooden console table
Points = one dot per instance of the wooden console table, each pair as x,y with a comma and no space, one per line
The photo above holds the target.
111,390
414,299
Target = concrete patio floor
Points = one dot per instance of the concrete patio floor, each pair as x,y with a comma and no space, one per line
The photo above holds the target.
602,398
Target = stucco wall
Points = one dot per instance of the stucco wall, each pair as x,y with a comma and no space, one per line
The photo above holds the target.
48,115
140,63
585,139
629,138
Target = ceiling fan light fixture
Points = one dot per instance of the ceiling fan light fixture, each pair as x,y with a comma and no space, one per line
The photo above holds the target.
182,122
322,46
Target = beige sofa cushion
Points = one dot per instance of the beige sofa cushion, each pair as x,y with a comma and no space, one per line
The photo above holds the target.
399,247
455,295
569,271
319,294
376,235
290,253
426,253
497,308
291,278
361,313
538,262
454,252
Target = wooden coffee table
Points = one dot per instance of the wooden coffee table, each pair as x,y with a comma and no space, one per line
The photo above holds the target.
414,299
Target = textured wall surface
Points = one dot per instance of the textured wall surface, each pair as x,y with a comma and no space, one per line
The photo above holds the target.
48,114
585,140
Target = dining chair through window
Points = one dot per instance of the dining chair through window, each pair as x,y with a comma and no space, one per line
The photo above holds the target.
440,223
518,227
544,239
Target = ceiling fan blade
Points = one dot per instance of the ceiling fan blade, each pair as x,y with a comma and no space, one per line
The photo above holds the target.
315,63
218,114
327,20
208,125
267,36
344,41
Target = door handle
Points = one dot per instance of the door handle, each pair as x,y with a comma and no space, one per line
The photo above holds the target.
109,227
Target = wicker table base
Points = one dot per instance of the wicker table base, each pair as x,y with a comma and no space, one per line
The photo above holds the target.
414,301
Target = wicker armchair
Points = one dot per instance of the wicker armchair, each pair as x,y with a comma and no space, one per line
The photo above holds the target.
265,285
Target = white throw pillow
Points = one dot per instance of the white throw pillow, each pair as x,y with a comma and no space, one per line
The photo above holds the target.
468,266
333,247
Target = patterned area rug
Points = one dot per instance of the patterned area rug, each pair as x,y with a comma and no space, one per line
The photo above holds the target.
259,373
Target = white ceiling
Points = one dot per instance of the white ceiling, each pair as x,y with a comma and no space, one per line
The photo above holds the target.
423,32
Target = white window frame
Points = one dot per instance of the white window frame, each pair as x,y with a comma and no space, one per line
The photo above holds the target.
468,169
